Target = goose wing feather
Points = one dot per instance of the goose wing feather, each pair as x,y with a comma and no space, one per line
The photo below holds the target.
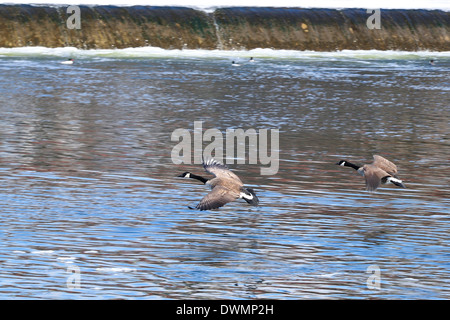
220,170
373,176
385,165
216,198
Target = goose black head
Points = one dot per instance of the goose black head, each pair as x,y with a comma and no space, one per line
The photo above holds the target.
341,163
184,175
250,197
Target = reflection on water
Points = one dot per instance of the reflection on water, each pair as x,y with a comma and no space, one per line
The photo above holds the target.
86,179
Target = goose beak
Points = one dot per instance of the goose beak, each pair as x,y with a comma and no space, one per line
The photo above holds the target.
255,201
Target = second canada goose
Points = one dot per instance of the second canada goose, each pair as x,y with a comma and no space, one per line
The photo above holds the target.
226,187
380,171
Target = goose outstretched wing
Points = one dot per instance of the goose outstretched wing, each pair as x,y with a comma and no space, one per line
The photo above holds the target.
373,176
220,170
385,165
216,198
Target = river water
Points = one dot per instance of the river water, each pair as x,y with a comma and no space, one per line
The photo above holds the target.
90,207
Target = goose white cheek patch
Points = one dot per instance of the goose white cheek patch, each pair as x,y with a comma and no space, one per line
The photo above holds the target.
246,196
392,179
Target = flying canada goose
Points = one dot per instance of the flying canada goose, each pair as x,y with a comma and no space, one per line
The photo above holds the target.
226,187
380,171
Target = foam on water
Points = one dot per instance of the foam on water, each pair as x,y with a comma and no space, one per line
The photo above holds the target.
155,52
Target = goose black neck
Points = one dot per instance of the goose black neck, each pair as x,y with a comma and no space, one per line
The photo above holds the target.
349,164
199,178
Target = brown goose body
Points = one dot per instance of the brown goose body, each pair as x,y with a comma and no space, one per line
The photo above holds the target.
225,187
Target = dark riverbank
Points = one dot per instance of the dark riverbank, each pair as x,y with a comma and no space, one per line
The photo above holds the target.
225,28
